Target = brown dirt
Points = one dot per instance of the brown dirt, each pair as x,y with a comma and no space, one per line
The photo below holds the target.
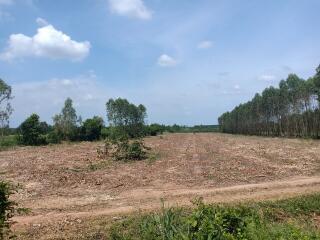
69,183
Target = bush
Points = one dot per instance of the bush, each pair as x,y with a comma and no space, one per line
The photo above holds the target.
91,129
121,149
154,129
105,132
6,208
136,151
53,137
31,132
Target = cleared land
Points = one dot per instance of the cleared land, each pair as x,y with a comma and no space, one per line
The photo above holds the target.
67,185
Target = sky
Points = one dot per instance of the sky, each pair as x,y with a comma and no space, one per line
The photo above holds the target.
187,61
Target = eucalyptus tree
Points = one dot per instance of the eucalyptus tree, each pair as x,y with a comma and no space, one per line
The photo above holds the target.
127,121
65,123
5,105
292,109
126,117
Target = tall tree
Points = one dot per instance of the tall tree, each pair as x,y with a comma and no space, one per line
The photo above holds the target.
65,123
290,110
5,106
126,117
317,82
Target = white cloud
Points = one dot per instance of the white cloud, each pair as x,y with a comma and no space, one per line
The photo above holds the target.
47,42
42,22
267,78
130,8
205,45
166,61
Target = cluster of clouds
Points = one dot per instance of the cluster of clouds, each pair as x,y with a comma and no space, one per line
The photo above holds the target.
49,42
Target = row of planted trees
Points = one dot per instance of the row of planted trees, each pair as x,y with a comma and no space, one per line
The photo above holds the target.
291,110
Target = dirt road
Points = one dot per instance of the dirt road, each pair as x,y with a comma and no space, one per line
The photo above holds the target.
149,199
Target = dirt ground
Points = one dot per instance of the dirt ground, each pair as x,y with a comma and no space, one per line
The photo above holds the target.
66,186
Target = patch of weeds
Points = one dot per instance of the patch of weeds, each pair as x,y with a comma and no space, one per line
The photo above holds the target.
98,165
153,156
8,208
251,221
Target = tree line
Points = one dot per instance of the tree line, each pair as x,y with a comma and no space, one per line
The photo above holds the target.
290,110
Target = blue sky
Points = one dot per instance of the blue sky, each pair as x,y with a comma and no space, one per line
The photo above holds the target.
186,61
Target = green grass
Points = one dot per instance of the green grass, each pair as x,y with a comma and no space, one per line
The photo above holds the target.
8,142
283,220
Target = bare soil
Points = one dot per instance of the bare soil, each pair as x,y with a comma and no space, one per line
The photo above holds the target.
66,186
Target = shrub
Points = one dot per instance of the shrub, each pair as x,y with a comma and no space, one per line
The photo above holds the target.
91,129
53,137
154,129
105,132
136,150
121,149
6,208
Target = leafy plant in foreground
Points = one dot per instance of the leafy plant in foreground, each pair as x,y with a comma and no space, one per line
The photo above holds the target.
7,208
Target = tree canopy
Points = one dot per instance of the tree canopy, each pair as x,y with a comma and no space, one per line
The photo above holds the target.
5,106
292,109
126,117
31,131
65,123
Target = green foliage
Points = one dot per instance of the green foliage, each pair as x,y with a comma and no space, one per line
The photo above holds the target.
126,122
105,132
155,129
126,117
5,106
65,123
250,222
290,110
53,137
7,208
193,129
8,141
207,222
31,132
91,129
136,151
121,149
